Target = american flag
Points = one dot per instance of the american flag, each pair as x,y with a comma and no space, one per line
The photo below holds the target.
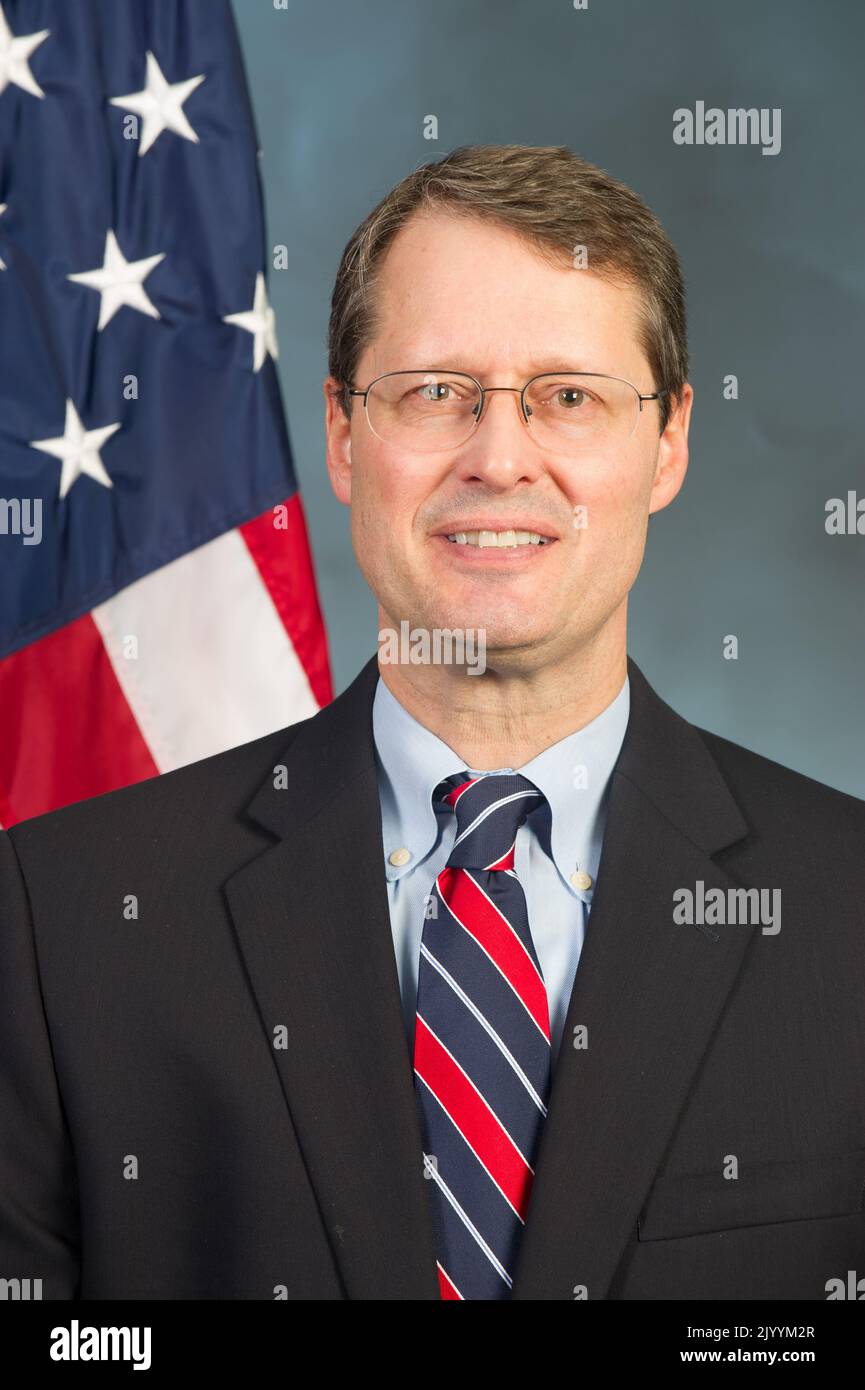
158,601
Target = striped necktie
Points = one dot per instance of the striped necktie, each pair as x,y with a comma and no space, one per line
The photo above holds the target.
482,1040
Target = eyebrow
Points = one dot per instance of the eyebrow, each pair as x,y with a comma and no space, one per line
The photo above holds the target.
458,363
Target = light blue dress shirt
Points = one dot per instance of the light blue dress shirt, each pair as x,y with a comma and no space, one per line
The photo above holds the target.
557,851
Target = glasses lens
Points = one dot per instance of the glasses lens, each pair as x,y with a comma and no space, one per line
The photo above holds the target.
577,413
424,411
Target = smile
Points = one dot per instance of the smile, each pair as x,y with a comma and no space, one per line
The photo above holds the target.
500,539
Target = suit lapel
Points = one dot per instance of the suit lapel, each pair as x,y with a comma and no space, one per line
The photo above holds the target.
311,915
648,994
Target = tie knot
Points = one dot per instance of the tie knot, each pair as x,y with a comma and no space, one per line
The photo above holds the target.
489,812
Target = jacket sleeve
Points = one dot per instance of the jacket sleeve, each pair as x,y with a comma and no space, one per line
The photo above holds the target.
39,1222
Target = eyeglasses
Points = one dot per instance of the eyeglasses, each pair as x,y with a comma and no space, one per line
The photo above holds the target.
568,412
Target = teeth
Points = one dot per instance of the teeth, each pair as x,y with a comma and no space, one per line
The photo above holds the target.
497,538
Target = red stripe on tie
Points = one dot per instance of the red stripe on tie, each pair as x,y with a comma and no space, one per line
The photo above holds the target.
468,1110
447,1288
474,911
453,797
506,861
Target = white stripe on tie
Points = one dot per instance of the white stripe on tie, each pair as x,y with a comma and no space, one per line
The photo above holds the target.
472,1230
468,931
487,1026
526,952
503,801
471,1148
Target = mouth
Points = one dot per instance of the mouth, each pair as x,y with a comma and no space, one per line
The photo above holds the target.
486,547
486,537
499,540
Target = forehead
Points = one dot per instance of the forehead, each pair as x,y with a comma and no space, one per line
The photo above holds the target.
463,292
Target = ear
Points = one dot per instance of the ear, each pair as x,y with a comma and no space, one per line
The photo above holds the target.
672,462
337,429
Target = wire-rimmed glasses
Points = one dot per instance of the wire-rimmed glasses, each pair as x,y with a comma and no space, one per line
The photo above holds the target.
438,409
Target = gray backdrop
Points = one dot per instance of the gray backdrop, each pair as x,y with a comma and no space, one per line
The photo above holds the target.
772,249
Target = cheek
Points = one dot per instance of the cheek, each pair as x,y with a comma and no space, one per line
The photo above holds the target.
374,491
390,493
382,508
611,498
610,517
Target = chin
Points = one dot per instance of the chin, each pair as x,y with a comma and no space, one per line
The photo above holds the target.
506,644
517,653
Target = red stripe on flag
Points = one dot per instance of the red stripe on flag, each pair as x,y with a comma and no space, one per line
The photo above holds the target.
68,732
474,911
481,1129
278,543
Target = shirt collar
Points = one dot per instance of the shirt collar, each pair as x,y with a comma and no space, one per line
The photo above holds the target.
573,775
411,762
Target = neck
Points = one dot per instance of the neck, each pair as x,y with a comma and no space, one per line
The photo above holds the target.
517,708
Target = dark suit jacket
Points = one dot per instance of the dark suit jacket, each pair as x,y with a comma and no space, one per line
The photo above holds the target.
214,1099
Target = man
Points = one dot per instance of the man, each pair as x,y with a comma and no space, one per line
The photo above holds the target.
304,1019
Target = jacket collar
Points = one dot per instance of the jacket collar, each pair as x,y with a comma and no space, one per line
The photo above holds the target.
662,755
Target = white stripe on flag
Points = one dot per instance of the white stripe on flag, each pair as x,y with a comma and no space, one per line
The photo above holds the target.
215,665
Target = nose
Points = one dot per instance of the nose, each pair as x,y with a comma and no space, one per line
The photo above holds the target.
491,390
500,451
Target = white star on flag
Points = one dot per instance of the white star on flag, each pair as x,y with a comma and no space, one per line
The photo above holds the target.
160,104
260,321
2,210
120,282
78,450
14,55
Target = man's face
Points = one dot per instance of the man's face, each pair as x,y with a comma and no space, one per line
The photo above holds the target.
460,293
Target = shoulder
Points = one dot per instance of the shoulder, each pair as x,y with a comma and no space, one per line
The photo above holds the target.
200,794
204,807
775,798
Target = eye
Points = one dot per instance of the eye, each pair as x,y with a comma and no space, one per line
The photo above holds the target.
435,391
441,393
571,397
565,396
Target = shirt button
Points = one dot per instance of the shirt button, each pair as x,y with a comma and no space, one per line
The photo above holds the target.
581,880
398,857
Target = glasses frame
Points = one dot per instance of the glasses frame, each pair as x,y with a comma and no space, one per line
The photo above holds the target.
488,390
